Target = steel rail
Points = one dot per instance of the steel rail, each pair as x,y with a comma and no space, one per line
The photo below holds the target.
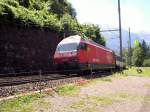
11,81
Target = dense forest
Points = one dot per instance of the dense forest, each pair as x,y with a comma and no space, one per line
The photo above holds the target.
56,15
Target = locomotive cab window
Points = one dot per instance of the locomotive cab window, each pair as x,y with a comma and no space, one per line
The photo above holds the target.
83,46
67,47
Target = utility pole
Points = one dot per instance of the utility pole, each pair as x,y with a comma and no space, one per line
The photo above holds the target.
129,48
120,31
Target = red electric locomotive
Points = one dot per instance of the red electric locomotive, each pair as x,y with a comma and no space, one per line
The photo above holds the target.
77,54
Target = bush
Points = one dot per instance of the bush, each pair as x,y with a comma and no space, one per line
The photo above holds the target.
14,13
69,25
146,63
93,32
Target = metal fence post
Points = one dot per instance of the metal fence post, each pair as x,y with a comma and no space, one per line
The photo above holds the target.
91,71
40,73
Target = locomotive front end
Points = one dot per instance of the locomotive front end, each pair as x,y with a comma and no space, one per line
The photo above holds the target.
66,54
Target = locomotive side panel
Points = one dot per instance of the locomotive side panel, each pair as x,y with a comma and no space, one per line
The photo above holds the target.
98,58
91,51
106,58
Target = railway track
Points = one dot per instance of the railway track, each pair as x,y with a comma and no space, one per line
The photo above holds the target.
23,84
26,73
17,80
10,81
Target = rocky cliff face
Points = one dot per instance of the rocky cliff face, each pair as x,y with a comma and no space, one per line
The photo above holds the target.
26,49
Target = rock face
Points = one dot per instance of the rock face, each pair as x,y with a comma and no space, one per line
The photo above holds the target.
26,49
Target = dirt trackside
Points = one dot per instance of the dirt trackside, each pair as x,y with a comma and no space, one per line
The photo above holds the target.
125,94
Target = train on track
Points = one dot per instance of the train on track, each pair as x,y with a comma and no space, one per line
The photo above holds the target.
82,55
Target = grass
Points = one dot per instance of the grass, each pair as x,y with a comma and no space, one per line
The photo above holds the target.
32,103
101,79
92,101
89,104
116,75
78,105
68,89
102,100
106,79
124,97
29,103
147,99
133,72
119,97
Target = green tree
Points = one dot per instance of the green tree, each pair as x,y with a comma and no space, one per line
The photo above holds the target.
61,7
138,54
70,26
93,32
144,47
146,57
148,52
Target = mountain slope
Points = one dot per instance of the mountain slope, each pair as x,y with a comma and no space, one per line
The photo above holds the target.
112,39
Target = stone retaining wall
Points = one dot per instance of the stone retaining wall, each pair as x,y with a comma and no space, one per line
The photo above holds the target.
26,49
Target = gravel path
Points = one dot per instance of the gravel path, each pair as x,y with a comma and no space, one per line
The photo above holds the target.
130,84
127,94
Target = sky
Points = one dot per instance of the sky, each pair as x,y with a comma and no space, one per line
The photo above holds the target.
134,13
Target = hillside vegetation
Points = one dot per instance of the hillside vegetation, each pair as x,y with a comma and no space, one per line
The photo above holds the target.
57,15
140,55
42,13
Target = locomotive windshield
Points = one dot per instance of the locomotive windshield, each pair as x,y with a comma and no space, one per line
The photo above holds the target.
67,47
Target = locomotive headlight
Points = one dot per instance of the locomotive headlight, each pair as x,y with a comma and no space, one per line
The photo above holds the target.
56,55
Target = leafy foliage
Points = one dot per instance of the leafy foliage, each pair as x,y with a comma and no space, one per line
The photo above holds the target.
146,49
128,54
24,104
12,12
70,26
93,32
57,15
138,56
62,7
